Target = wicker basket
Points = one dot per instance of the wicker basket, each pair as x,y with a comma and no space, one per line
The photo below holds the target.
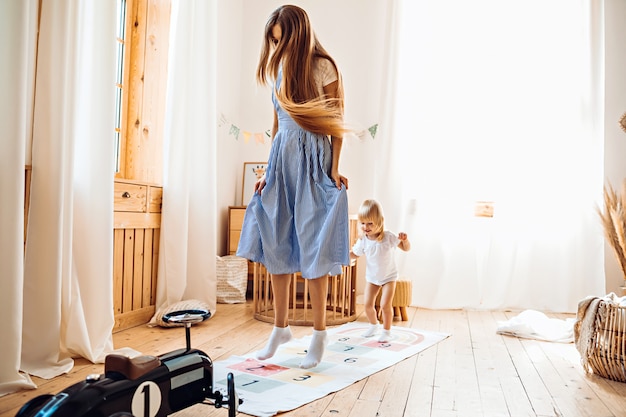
401,300
606,353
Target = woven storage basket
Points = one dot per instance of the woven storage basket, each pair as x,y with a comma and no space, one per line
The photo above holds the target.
606,353
232,279
401,299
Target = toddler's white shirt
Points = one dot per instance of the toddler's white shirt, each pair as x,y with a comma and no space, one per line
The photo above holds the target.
380,260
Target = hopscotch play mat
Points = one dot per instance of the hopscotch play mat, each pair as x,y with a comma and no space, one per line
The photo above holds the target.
278,384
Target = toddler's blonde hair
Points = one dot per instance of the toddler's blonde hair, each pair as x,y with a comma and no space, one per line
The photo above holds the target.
372,212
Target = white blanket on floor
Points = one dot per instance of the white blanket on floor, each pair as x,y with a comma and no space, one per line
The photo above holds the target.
531,324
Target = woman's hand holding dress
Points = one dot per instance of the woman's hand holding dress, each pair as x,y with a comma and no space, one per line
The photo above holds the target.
259,184
339,179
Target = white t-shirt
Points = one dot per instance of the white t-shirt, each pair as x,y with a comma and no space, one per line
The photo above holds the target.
380,260
324,74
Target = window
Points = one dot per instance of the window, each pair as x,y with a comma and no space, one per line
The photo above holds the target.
120,81
142,53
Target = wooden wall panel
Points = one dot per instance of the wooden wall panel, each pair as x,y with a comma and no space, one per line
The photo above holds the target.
118,270
146,281
135,253
136,32
135,259
129,263
136,227
138,272
155,263
148,85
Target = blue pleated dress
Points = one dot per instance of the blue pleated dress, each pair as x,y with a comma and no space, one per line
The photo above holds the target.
299,222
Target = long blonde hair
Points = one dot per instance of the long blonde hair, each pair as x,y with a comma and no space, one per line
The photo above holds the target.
372,212
298,52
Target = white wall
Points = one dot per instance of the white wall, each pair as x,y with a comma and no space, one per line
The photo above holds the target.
355,32
615,107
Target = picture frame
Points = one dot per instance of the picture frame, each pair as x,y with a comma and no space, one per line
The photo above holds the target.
252,171
484,209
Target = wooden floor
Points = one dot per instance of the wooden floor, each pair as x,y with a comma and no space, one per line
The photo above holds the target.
475,372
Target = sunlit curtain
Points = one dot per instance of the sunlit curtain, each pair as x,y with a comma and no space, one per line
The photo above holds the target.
497,101
63,307
68,266
188,242
18,25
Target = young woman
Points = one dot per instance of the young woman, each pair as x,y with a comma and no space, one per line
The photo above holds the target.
378,246
297,219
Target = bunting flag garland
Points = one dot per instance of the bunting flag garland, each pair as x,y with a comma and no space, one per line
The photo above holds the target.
246,134
222,121
234,130
372,130
259,137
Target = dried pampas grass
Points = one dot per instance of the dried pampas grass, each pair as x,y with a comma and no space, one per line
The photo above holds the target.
614,222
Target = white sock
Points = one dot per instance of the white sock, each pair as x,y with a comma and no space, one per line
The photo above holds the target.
385,336
371,331
316,350
279,336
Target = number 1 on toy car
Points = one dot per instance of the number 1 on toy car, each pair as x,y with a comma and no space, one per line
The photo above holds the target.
146,400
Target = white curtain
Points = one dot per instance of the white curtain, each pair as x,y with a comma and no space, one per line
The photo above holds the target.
18,24
497,101
188,245
56,299
63,306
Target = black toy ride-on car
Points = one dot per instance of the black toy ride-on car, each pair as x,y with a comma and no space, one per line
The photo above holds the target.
145,386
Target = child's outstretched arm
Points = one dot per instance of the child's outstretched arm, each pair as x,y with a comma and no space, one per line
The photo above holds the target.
358,247
404,244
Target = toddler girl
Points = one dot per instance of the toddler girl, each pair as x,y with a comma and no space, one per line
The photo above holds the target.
378,246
